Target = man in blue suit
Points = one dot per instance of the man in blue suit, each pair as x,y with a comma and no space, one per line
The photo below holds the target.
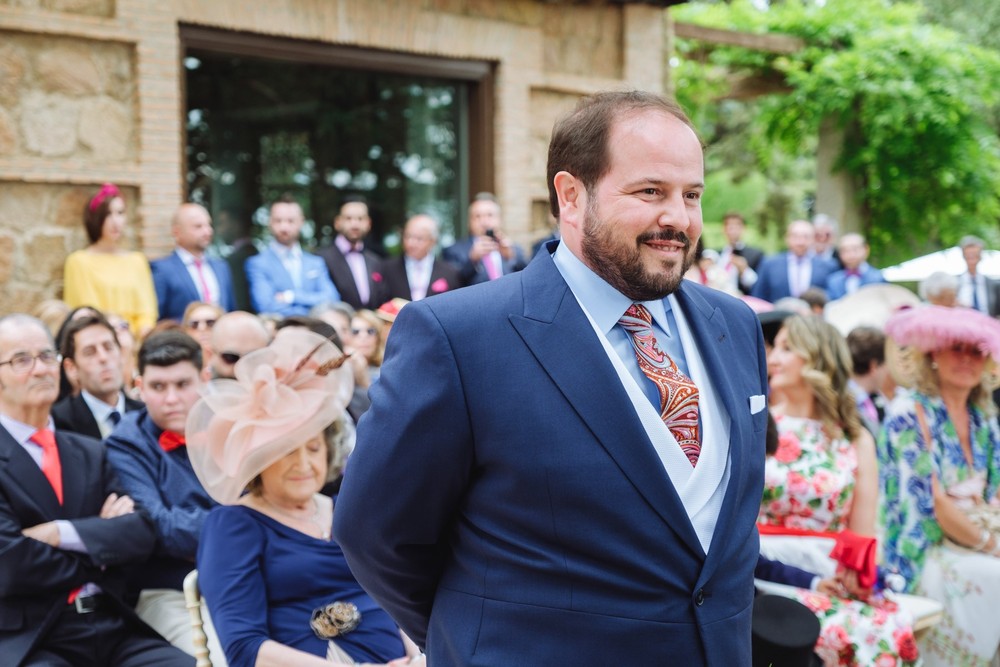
187,274
284,279
516,497
857,272
793,272
486,253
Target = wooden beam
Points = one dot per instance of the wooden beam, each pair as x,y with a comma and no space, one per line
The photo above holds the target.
771,43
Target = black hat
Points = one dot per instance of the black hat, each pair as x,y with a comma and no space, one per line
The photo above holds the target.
771,321
784,633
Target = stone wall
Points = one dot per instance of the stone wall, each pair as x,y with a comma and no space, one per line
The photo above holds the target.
92,91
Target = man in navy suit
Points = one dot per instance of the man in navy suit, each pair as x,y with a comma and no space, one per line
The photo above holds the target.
857,272
353,267
187,274
528,504
486,253
418,273
793,272
66,527
92,360
284,279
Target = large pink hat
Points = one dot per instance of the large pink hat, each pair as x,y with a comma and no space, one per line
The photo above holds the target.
283,395
931,328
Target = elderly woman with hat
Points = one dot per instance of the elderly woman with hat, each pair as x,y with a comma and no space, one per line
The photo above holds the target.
278,587
940,458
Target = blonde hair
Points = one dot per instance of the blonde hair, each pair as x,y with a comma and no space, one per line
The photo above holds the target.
376,323
827,371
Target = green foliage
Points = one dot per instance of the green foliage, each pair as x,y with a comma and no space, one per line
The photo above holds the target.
915,103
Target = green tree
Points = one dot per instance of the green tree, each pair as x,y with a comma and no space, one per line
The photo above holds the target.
914,100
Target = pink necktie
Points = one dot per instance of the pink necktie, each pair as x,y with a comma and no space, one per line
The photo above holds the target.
51,466
492,270
678,394
206,295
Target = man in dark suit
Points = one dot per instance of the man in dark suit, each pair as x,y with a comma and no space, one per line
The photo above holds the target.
976,290
418,273
66,528
486,253
857,272
187,274
284,279
792,272
352,266
743,259
92,360
578,478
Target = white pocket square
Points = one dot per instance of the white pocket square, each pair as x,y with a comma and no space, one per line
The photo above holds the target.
757,403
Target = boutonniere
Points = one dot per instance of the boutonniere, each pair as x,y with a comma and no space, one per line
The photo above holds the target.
376,277
439,285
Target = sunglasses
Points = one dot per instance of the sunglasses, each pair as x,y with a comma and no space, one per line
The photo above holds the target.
201,324
230,357
371,331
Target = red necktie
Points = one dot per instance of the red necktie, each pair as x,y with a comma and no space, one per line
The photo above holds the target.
51,467
678,394
170,441
205,293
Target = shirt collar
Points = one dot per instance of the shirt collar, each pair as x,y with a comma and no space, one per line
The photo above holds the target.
186,256
99,408
286,252
605,304
346,246
21,431
428,260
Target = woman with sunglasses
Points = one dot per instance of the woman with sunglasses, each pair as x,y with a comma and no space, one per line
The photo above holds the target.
367,343
105,275
199,318
940,466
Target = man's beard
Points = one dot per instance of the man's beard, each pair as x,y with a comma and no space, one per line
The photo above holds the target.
620,264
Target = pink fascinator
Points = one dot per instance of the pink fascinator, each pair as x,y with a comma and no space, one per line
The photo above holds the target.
283,395
388,311
931,328
107,191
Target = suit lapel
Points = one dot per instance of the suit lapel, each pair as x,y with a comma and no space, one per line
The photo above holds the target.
343,277
193,292
558,334
84,418
715,346
26,476
74,469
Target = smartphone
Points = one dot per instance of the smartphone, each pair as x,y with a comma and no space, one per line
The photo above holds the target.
492,234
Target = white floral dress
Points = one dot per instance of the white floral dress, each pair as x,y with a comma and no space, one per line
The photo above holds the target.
809,486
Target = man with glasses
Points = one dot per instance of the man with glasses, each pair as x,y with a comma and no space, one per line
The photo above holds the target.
234,336
187,274
67,527
92,360
150,454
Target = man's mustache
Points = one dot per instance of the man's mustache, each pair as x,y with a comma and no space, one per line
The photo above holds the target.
665,235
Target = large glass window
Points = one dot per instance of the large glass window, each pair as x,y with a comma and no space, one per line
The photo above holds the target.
323,127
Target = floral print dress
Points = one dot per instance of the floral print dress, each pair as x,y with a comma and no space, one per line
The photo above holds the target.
966,582
809,486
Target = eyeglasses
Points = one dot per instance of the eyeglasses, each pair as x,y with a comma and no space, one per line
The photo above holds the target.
201,324
371,331
230,357
22,362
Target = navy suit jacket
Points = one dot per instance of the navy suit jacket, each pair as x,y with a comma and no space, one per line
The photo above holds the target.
513,511
36,579
772,277
475,273
175,289
267,276
836,283
73,414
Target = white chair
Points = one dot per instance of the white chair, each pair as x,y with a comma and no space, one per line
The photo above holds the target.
192,596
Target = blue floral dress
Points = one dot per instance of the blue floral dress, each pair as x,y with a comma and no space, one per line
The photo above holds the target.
967,583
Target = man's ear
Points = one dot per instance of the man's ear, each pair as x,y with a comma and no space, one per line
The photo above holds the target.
72,372
206,373
572,196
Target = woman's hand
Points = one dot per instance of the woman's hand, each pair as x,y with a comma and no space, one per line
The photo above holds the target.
849,580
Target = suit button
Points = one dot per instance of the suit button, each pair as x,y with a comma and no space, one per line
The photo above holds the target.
699,597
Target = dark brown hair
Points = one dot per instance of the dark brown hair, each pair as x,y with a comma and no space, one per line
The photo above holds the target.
73,327
580,140
93,218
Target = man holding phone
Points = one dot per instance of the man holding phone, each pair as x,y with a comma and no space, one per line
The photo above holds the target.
487,253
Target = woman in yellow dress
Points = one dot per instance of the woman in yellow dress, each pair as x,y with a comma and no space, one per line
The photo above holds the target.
106,276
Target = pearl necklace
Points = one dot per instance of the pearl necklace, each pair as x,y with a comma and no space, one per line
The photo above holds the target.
314,519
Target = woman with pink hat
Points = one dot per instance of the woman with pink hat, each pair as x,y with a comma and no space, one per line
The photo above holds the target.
940,474
278,588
